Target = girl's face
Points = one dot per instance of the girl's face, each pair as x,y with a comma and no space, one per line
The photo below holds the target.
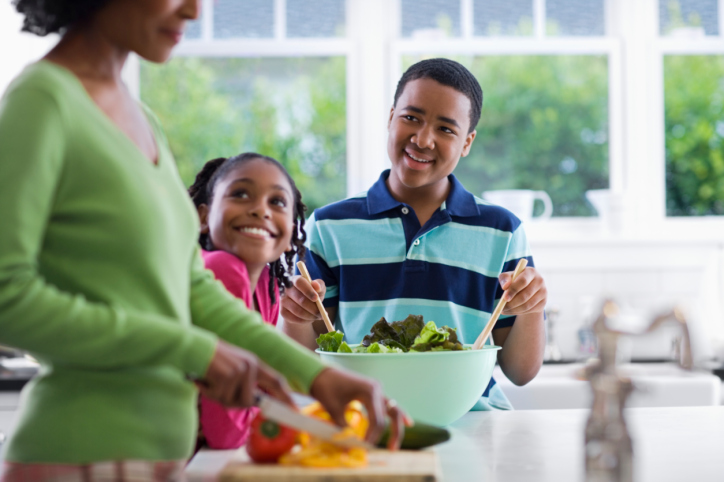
151,28
251,214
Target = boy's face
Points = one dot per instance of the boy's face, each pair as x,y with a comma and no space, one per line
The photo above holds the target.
428,133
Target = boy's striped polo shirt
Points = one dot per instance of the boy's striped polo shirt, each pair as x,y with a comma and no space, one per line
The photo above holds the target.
376,260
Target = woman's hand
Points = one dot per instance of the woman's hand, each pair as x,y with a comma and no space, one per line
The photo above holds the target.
299,301
527,294
336,388
234,374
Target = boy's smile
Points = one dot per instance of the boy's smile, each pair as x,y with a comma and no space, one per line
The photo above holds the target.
428,133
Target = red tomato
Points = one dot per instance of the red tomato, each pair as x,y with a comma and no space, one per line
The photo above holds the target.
268,440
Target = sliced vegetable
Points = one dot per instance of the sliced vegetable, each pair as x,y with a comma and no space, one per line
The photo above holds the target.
269,440
318,453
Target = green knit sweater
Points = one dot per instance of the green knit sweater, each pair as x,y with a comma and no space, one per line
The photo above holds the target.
101,279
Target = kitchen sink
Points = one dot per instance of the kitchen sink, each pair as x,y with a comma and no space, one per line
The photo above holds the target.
656,385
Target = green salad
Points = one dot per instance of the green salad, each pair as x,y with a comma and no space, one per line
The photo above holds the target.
409,335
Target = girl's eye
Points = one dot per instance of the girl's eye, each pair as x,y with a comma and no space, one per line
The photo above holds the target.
409,117
279,201
447,130
240,193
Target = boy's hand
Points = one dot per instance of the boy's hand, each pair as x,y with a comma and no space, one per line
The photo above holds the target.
299,300
336,388
527,294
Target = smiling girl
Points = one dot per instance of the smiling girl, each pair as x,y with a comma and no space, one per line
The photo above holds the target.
251,215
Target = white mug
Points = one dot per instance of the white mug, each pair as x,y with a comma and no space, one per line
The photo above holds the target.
521,202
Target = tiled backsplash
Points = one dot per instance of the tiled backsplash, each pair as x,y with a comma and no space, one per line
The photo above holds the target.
646,278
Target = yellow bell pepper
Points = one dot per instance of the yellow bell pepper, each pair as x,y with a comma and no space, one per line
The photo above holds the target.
318,453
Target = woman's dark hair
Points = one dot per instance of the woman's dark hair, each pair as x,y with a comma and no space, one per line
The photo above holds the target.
450,73
55,16
202,192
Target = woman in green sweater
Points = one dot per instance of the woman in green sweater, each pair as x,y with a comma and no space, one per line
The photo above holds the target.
100,274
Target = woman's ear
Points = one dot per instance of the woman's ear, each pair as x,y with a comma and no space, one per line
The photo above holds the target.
203,211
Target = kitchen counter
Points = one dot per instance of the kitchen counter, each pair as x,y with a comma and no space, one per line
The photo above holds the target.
656,385
670,444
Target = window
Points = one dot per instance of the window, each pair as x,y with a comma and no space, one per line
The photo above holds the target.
545,122
692,58
688,18
494,18
579,95
694,107
575,17
430,18
219,97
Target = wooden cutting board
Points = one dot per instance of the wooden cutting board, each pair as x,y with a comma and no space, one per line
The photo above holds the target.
401,466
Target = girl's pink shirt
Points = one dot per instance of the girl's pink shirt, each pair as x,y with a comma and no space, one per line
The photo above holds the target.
228,428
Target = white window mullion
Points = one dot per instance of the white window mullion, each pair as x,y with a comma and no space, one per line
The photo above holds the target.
509,46
654,177
609,20
616,129
264,48
466,19
207,20
367,103
280,19
539,18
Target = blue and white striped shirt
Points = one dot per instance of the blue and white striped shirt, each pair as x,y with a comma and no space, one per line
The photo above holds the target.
376,260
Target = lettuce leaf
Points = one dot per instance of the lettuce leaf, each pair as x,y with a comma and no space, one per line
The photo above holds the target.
330,341
398,334
344,348
432,335
410,334
380,331
380,348
408,329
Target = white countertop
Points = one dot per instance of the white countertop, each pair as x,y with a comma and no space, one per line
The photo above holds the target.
656,385
670,444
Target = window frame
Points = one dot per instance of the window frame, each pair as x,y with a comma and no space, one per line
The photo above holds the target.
536,44
663,46
373,49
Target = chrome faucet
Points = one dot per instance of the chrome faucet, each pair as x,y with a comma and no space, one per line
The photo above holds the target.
551,351
609,450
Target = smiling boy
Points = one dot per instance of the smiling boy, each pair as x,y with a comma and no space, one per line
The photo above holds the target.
418,243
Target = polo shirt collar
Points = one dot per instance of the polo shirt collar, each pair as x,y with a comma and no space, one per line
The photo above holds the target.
459,201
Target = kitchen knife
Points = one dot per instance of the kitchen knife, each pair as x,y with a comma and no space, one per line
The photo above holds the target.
279,412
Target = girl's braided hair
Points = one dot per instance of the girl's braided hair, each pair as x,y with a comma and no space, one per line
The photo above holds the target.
202,192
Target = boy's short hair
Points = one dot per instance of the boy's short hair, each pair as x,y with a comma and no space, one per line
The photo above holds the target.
450,73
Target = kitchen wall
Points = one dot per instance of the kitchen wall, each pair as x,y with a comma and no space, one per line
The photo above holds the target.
647,276
17,49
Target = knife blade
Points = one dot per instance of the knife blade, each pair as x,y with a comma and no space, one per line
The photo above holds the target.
279,412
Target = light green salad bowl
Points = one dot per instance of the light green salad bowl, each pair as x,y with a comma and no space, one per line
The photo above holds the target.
435,387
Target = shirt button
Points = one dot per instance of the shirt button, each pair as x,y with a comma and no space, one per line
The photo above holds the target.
405,210
417,242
